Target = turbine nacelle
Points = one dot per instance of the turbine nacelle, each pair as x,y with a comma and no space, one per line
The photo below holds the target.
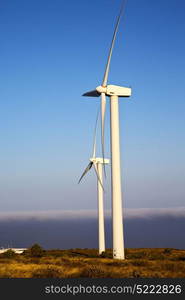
110,90
99,160
117,91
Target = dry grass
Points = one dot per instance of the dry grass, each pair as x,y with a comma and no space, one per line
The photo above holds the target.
86,263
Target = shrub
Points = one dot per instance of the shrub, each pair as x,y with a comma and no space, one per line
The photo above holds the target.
181,258
136,254
170,266
35,251
9,254
48,272
156,256
105,254
167,251
93,272
136,274
56,253
140,263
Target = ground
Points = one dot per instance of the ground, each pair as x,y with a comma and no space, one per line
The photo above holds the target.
76,263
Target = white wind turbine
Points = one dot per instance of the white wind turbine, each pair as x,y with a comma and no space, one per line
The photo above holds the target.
113,92
97,163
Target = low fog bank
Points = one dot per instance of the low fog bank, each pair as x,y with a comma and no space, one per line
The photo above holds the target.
143,228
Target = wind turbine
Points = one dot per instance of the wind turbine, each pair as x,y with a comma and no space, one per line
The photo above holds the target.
97,163
113,92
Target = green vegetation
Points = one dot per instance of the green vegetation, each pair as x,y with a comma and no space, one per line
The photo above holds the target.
74,263
34,251
9,254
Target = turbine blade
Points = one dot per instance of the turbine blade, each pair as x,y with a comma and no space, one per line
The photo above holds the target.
95,131
103,108
92,94
105,78
98,177
86,170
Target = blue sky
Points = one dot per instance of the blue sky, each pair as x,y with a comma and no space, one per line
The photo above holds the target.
51,52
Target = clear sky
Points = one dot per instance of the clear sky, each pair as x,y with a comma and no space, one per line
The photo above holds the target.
51,52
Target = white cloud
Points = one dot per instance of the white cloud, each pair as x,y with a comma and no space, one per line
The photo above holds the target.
155,212
130,213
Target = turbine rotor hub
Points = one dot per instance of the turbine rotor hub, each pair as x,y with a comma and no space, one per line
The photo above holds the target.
101,89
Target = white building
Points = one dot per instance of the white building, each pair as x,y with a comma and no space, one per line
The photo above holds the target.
16,250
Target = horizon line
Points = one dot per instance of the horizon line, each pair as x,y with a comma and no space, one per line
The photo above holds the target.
128,213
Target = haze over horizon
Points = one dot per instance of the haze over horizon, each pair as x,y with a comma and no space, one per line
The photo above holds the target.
144,228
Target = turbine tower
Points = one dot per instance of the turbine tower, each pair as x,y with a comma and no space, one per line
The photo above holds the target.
97,163
113,92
